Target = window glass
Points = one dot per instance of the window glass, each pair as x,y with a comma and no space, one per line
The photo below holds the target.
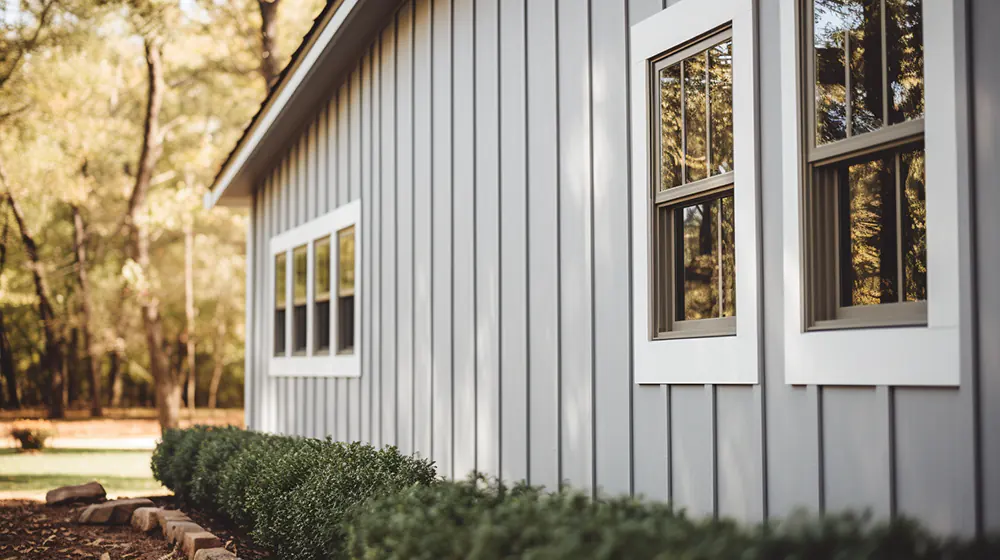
321,297
280,302
905,59
695,100
300,272
707,274
914,226
345,291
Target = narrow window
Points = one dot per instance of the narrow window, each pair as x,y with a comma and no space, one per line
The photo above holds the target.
345,291
321,297
280,303
300,270
865,199
693,241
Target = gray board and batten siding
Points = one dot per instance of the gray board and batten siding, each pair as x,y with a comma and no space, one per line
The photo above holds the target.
489,143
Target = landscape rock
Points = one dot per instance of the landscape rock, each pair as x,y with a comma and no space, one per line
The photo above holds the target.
195,541
165,515
144,519
115,512
214,554
176,530
89,492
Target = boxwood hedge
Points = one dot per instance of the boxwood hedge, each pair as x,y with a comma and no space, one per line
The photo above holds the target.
315,499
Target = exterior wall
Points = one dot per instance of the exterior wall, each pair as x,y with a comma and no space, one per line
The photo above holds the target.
489,143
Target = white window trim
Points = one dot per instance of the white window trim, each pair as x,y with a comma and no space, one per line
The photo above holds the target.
309,365
911,356
725,359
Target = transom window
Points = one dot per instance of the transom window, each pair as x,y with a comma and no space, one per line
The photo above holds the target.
693,238
865,206
315,317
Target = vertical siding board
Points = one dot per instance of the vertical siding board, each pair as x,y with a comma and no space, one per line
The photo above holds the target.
856,450
388,279
327,182
612,363
514,329
284,191
740,454
692,437
441,252
404,232
315,197
986,100
300,405
487,265
463,269
362,137
422,215
348,189
575,245
650,468
543,247
375,233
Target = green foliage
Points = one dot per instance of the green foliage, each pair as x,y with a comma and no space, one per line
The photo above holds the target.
294,495
476,520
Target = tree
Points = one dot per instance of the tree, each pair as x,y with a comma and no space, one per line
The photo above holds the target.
270,67
89,359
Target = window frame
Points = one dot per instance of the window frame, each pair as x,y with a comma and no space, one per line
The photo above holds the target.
894,353
702,358
313,363
824,309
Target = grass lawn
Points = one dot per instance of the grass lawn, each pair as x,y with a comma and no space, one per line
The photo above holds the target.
118,471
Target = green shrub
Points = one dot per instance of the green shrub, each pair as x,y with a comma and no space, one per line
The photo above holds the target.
240,475
165,451
212,460
473,520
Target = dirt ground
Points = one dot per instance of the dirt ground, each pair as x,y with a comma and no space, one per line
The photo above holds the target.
119,423
34,531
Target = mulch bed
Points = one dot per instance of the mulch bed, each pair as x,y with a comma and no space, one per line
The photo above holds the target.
34,531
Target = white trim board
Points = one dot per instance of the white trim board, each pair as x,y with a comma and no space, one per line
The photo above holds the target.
726,359
310,365
915,356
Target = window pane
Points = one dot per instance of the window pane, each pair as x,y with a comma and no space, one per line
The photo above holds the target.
280,279
299,328
321,252
728,225
300,273
698,247
720,69
869,277
695,117
905,59
345,278
865,38
279,332
830,22
914,226
671,157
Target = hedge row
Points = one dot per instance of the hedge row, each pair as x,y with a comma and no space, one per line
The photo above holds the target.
312,499
293,495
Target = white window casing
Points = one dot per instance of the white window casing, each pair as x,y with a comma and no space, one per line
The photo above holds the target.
904,356
309,364
731,359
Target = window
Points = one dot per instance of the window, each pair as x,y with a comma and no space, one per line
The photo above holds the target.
694,276
865,202
695,199
322,316
874,100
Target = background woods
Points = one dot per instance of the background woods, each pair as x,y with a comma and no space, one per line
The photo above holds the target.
116,288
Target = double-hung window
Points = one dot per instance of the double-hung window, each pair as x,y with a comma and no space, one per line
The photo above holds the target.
874,135
315,325
695,238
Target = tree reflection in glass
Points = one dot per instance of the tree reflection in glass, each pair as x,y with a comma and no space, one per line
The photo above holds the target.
914,226
708,257
720,88
830,38
671,156
905,59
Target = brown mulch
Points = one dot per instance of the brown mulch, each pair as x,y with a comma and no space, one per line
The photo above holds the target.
232,538
34,531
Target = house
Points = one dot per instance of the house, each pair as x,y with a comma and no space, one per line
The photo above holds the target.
737,254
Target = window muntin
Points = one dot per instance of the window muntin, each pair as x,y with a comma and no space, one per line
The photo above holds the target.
280,302
865,212
321,295
345,291
300,281
693,277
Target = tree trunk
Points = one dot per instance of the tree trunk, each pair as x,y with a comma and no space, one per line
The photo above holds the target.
72,370
192,382
53,359
269,68
219,349
13,401
167,384
115,379
89,360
